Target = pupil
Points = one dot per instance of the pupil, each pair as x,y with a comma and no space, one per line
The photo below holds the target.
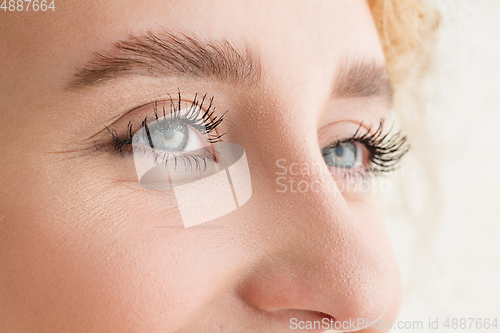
339,151
169,134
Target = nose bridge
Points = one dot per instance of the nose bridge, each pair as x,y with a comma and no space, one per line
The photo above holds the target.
313,256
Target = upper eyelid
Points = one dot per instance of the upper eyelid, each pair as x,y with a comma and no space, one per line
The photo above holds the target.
195,107
138,112
209,120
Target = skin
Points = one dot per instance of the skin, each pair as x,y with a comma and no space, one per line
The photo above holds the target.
78,248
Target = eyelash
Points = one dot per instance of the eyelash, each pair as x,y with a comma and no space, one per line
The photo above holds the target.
385,150
204,121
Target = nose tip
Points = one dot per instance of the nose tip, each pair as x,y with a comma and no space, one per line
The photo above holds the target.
366,291
344,287
321,264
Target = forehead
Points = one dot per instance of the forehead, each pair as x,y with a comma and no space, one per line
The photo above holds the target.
284,33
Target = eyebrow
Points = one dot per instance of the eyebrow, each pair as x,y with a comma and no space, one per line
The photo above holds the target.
362,78
171,55
187,55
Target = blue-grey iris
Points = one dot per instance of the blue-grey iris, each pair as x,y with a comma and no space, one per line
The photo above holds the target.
169,137
342,155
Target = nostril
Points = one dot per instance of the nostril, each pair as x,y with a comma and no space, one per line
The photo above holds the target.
311,321
325,315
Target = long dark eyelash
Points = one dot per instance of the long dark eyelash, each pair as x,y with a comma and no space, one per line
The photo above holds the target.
386,150
204,121
119,143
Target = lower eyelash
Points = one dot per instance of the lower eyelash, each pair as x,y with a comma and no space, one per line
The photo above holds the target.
162,157
351,175
386,150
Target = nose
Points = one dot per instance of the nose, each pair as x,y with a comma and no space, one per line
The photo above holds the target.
314,260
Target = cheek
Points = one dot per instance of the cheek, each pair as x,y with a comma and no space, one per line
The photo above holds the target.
98,259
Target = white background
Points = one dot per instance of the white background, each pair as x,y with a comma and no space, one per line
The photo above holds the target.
453,271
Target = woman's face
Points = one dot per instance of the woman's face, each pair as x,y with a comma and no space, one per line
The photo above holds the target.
85,248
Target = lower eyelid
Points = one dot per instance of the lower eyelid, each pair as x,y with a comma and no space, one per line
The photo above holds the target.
163,155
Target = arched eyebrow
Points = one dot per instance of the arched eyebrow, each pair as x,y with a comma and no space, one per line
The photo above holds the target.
363,78
170,54
185,55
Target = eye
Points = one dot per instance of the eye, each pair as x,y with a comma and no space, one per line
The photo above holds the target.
170,143
345,155
184,127
177,146
172,149
167,135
